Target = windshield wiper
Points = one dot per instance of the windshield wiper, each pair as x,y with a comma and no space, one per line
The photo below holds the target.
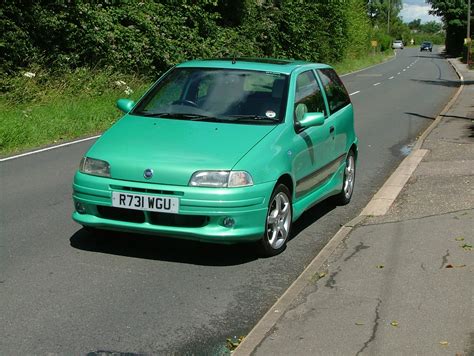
156,114
181,116
253,117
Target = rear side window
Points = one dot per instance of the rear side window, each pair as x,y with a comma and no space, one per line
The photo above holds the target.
336,93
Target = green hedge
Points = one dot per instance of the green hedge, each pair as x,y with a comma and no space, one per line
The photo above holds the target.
148,37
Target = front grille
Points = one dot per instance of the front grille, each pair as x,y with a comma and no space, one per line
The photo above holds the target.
121,214
155,218
177,220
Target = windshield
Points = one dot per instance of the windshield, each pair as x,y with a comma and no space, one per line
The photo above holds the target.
208,94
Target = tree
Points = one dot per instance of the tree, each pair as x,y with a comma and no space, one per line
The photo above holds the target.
384,12
453,13
415,24
431,27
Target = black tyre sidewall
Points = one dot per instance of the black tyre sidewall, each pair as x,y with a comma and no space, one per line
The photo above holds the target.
341,197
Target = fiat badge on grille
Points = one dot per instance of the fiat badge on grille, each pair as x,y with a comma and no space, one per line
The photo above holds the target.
148,173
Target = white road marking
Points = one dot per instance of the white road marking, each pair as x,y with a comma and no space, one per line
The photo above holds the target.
398,73
404,70
354,93
49,148
391,78
377,84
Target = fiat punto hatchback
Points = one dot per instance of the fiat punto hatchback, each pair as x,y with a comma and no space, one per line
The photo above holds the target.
222,151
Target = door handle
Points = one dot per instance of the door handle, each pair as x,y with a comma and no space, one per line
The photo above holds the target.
331,129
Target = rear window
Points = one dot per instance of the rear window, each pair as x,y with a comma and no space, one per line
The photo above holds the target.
336,93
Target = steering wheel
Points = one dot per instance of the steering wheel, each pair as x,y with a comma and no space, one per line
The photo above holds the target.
185,102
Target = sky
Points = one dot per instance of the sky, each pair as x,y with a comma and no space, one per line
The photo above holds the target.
417,9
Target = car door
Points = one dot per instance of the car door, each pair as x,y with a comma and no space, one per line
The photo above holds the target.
340,119
312,146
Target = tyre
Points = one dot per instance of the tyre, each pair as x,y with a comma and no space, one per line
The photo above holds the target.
344,197
278,222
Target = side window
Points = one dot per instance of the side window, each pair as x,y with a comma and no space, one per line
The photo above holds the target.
336,93
308,93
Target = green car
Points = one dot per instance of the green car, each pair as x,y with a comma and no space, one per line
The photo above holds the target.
222,150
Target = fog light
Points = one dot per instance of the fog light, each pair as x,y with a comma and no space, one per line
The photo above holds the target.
80,208
228,222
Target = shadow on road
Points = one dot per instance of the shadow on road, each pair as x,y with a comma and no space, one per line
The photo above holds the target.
163,248
312,215
419,115
442,82
184,251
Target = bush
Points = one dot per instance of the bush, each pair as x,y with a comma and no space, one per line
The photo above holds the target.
150,36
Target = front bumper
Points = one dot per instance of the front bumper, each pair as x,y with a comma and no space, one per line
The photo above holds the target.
201,215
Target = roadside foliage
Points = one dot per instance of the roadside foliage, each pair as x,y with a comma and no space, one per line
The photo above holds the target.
150,36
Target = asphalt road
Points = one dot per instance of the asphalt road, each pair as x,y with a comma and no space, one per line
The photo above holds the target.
63,291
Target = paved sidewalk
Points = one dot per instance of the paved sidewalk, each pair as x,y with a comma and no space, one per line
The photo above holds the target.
401,283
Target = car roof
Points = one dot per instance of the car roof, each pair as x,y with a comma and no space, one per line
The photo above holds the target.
284,66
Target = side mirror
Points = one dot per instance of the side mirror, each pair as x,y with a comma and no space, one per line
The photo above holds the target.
125,105
312,119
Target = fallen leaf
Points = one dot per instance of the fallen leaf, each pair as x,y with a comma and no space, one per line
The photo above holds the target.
359,323
467,247
444,343
459,238
321,274
380,266
394,323
233,342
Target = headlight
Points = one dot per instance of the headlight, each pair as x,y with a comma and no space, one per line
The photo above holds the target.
221,179
95,167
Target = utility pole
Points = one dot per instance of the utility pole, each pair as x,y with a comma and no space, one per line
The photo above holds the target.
468,31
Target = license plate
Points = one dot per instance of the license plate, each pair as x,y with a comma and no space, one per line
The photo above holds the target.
145,202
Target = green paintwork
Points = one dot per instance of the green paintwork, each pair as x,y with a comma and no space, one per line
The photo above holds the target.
310,159
312,119
125,105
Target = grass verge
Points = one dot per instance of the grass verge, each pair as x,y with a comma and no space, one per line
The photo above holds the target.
352,64
39,109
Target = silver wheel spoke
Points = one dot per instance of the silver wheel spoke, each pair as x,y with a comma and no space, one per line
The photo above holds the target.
271,220
349,177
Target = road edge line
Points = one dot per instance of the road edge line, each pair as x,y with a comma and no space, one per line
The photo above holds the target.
49,148
264,326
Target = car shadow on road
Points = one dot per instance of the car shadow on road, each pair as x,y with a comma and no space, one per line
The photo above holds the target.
163,248
312,215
